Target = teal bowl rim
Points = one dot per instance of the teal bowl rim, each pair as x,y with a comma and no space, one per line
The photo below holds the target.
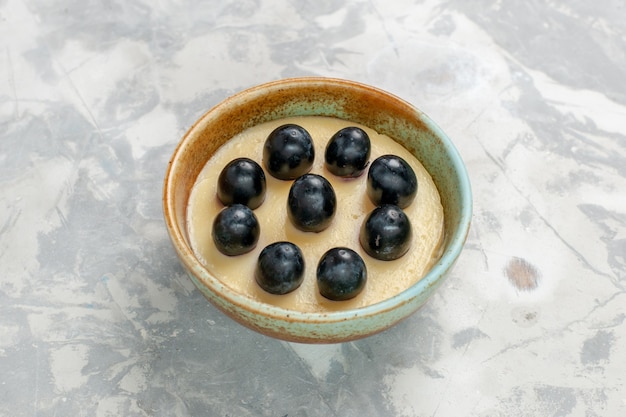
431,280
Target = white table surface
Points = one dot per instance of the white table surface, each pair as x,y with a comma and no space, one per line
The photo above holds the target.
97,317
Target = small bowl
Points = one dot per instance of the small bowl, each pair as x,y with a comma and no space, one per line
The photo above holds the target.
342,99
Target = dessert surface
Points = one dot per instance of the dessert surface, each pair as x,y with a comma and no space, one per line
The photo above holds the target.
385,278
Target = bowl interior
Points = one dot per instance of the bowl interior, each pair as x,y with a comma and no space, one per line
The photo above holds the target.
342,99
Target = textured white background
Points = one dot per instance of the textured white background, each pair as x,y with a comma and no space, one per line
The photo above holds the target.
96,315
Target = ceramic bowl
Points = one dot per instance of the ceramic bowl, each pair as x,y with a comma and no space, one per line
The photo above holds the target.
342,99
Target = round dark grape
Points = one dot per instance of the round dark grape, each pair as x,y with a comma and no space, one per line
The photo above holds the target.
235,230
341,274
348,152
280,268
311,203
386,233
288,152
242,181
391,180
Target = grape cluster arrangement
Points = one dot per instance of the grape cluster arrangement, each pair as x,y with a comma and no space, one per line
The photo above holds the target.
288,155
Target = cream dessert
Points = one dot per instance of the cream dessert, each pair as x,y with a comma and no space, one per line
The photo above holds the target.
384,278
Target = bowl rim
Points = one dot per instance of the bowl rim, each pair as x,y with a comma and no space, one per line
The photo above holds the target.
435,275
